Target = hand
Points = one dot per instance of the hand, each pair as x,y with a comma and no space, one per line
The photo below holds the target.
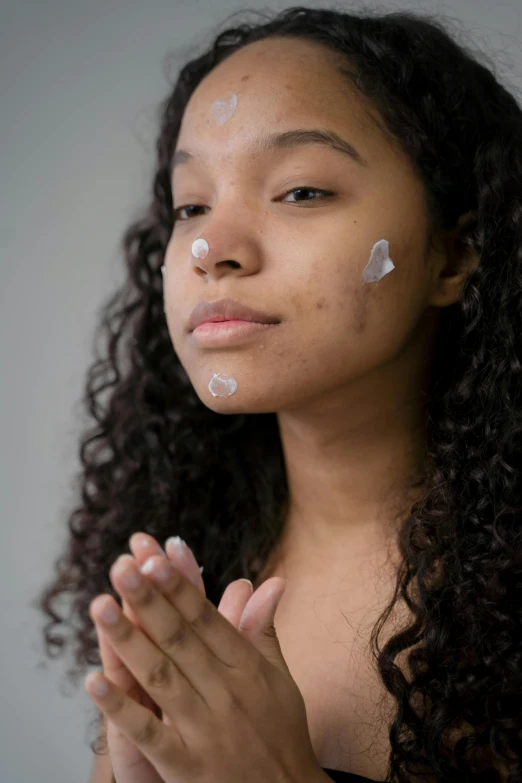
234,711
128,763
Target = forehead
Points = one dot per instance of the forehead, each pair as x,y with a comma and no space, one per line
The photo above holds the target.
278,83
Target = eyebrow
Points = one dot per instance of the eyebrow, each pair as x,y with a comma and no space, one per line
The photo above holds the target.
288,140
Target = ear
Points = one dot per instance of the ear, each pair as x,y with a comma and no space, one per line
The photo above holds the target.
457,262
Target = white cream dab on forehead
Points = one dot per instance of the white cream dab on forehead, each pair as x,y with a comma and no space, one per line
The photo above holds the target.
222,385
379,264
223,108
200,248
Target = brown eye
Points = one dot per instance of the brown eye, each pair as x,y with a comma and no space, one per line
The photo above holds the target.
300,190
305,189
187,206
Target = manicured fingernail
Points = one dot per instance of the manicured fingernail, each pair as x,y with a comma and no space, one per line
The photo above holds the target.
153,545
249,582
183,550
177,542
148,566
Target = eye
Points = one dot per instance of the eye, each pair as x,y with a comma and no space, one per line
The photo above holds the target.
305,189
302,189
187,206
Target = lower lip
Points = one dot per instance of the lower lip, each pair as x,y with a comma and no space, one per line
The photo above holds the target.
227,332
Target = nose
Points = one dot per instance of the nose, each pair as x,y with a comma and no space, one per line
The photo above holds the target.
223,249
214,267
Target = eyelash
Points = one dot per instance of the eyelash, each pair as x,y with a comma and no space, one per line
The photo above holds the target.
324,194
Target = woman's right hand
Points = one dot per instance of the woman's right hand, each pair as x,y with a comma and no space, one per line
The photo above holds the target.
128,763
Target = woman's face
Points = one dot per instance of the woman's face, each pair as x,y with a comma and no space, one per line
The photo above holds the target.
298,256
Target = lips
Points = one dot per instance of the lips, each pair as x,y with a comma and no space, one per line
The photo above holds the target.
227,310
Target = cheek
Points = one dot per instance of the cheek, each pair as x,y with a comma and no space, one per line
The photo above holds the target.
340,312
334,300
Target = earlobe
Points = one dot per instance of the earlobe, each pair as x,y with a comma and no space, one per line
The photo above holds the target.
458,261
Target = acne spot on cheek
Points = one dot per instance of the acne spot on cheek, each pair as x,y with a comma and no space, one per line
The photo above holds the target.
320,304
361,310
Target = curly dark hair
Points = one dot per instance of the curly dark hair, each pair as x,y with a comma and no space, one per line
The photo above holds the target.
155,444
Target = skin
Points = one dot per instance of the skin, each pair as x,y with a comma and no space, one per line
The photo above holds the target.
232,709
249,613
345,369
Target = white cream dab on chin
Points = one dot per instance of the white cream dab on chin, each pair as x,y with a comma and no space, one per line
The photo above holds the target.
223,108
200,248
222,385
379,264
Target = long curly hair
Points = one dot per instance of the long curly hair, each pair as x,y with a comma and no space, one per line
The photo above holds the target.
154,445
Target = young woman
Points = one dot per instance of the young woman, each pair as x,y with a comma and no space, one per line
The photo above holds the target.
356,181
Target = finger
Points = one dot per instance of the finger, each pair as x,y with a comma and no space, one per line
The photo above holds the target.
178,668
219,635
178,552
259,610
162,746
152,667
117,672
127,759
233,600
232,604
190,613
143,546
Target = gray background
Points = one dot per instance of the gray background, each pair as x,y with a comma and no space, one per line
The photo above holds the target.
80,83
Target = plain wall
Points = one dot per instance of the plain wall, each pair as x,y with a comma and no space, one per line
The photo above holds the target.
80,85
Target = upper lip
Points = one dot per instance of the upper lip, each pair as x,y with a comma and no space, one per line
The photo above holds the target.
227,310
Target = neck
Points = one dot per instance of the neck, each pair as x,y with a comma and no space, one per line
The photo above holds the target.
349,461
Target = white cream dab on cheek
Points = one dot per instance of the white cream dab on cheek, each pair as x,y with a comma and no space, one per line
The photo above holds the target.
222,385
200,248
379,264
223,108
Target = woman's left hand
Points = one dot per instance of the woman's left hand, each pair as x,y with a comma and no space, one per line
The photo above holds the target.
235,713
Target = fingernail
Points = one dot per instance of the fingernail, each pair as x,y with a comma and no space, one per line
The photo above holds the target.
178,542
182,548
249,582
150,544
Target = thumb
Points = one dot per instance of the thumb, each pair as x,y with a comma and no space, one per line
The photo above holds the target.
257,623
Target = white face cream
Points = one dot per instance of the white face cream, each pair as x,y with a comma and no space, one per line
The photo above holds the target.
223,108
200,248
379,264
222,385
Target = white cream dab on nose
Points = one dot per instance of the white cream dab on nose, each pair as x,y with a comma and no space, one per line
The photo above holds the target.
379,264
223,108
200,248
222,385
